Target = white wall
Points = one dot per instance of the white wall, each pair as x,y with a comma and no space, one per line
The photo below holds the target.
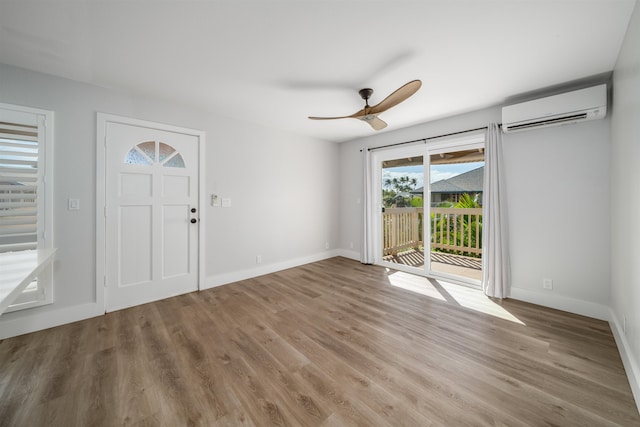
625,202
557,182
283,189
558,208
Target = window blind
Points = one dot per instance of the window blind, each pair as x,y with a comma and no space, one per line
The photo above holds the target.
18,186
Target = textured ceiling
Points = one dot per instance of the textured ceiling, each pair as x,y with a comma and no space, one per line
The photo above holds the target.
276,62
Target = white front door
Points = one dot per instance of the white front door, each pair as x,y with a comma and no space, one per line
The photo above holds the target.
151,226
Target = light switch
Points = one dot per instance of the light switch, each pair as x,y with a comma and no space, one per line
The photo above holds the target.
74,204
226,203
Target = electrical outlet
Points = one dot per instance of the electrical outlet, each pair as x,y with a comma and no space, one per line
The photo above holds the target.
547,284
74,204
326,245
258,259
350,245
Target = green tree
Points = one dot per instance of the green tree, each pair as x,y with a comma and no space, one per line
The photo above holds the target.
395,187
462,231
466,201
468,224
403,184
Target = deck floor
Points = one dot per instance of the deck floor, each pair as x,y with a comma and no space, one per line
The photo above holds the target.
457,265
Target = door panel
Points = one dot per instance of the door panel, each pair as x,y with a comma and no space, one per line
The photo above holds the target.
135,245
399,208
175,186
151,201
175,241
455,212
135,185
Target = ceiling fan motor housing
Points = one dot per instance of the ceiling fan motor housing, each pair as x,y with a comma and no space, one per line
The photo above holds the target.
365,93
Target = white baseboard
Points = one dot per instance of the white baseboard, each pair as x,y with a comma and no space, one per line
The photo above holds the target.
348,254
235,276
559,302
626,354
37,322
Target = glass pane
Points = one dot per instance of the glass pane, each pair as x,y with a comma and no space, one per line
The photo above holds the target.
135,157
149,148
456,213
175,162
403,215
165,151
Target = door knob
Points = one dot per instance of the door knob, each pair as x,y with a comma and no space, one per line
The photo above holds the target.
193,220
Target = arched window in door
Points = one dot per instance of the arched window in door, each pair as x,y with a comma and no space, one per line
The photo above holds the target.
149,152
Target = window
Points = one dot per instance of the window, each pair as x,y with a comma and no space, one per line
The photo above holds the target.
145,154
26,139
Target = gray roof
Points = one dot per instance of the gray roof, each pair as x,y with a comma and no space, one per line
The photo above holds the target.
468,182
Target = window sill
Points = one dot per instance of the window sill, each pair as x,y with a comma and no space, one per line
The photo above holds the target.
18,270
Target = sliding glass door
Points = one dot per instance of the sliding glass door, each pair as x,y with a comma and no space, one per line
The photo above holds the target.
401,186
455,212
429,208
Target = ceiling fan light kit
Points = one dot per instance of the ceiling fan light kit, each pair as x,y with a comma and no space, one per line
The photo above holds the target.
369,114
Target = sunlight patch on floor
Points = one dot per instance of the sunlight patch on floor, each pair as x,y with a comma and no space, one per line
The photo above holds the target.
470,298
418,284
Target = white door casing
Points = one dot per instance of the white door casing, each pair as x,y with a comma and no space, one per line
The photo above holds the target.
151,211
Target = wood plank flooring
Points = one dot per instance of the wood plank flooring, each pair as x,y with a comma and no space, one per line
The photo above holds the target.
333,343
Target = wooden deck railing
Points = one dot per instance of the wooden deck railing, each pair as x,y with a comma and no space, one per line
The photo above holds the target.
401,229
453,230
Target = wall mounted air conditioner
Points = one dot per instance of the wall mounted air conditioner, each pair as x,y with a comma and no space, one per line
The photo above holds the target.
570,107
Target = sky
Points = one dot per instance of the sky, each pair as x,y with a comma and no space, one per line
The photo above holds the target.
438,172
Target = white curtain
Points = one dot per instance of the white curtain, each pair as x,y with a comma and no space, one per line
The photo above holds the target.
367,250
496,275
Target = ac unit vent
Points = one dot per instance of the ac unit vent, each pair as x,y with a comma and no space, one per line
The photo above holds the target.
570,107
549,122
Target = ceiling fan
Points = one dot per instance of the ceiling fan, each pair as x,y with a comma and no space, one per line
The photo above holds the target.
370,114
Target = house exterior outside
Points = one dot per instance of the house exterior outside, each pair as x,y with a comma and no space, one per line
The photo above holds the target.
451,189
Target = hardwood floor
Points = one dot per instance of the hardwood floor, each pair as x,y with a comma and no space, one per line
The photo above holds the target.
332,343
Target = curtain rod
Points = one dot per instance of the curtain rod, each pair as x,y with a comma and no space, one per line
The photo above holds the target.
430,137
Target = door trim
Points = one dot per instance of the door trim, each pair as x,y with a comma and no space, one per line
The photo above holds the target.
101,144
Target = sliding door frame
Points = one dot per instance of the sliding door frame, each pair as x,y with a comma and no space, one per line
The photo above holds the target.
475,140
377,203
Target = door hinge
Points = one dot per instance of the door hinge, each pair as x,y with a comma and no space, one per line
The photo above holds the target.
105,211
104,281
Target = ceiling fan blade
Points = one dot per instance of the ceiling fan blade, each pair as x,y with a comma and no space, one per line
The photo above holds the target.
375,122
396,97
356,115
330,118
